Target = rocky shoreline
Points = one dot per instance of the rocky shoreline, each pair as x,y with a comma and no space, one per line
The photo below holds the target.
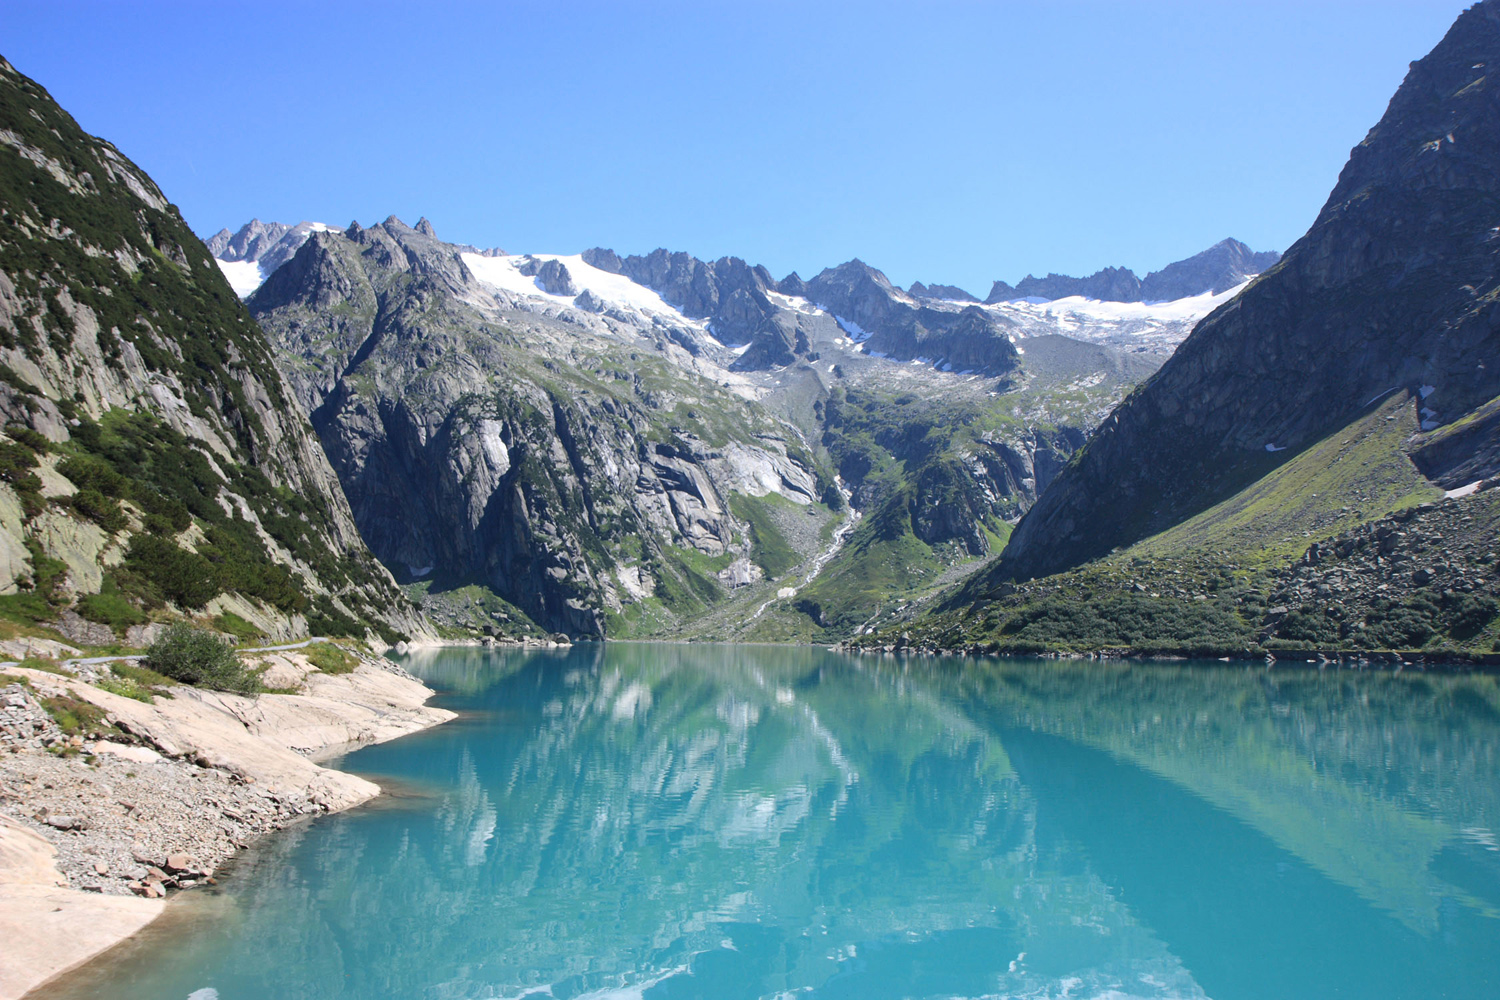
100,829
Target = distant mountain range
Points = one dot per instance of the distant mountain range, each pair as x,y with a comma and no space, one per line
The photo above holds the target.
1219,268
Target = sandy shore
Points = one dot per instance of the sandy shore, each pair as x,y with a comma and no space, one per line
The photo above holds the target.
92,840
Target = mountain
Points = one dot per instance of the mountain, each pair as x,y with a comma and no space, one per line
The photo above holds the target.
153,458
1214,271
1393,289
249,255
648,444
257,249
573,458
1113,284
1217,269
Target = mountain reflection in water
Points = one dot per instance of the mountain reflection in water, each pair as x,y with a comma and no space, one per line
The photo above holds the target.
667,821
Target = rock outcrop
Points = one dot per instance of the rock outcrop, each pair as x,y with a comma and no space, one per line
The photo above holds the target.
890,322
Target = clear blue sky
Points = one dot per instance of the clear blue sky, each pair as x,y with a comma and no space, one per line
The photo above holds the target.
951,142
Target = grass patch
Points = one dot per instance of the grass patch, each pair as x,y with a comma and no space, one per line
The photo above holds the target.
1356,474
25,608
111,608
139,683
769,548
331,659
234,625
76,717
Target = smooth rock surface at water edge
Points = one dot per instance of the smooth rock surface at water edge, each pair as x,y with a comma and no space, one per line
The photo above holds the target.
669,821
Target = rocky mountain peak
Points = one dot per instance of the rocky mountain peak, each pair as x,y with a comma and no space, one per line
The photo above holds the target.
1394,287
950,293
250,242
1112,284
1000,291
1217,269
873,310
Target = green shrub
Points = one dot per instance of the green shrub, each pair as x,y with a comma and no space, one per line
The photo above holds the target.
184,577
1470,615
196,656
331,659
110,609
34,440
16,463
45,570
1402,626
1309,626
1123,621
102,510
91,473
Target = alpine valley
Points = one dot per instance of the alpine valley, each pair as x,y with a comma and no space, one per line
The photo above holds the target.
627,446
236,472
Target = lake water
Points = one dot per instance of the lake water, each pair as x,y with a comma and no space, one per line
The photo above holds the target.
660,822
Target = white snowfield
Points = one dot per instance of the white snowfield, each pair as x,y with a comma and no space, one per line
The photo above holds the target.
643,310
614,289
244,275
1194,307
1161,325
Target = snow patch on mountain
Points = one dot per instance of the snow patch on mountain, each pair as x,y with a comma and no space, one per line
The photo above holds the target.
614,289
1156,325
244,276
248,257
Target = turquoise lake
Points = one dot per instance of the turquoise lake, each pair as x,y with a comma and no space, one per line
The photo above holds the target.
662,822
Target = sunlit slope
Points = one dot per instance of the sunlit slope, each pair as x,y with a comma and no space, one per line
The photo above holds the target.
1358,473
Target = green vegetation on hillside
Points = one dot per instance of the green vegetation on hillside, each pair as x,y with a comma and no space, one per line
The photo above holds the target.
1353,475
105,275
769,549
1325,553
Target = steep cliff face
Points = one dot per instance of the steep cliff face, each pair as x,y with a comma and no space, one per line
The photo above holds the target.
586,474
1395,287
153,457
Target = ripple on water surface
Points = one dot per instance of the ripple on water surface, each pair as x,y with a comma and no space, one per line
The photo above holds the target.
670,822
